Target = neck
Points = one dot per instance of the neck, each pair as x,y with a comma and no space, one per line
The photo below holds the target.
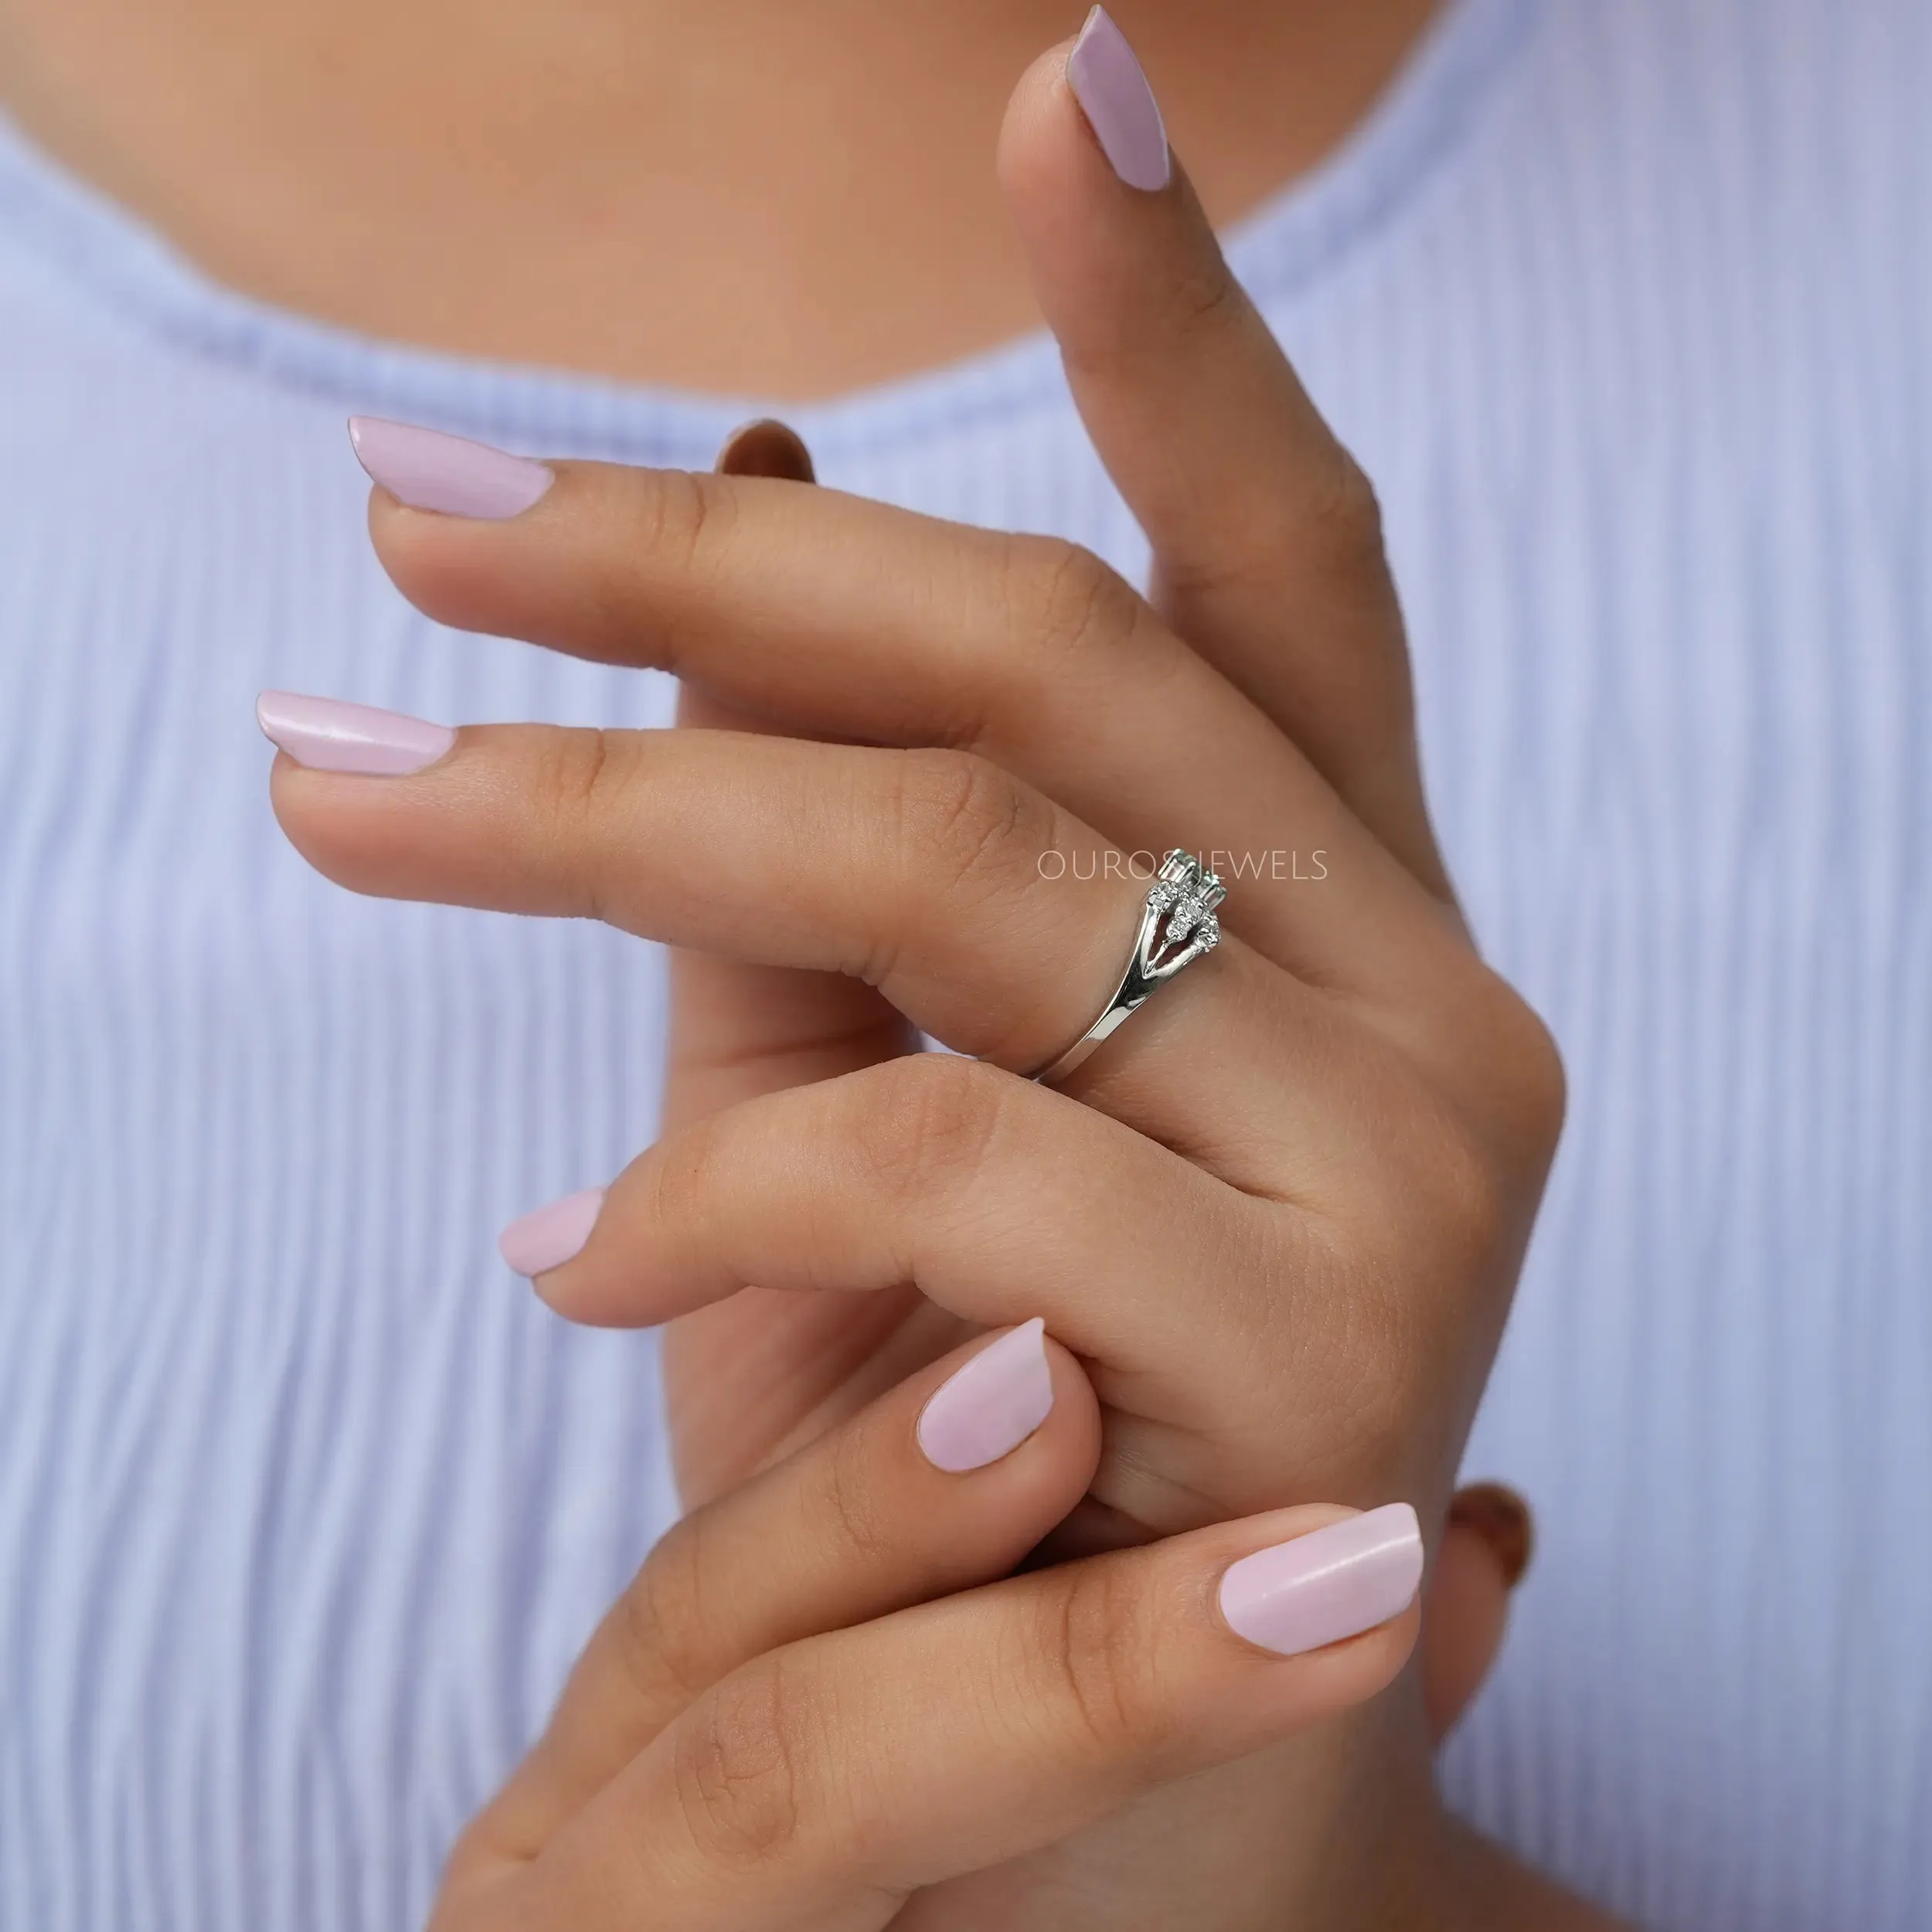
787,198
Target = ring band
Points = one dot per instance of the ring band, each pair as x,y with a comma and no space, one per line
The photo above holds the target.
1177,925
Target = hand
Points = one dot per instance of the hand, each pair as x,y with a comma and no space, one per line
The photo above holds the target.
792,1722
1284,1225
721,1014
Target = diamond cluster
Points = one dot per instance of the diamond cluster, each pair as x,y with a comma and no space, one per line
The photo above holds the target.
1188,893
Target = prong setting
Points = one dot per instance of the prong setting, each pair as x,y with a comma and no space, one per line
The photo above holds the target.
1177,925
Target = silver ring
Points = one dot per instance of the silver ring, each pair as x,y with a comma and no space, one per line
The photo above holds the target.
1177,925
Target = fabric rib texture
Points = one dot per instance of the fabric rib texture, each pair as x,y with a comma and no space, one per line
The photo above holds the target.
305,1505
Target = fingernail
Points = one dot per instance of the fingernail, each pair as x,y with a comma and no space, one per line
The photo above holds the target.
1502,1519
1332,1584
327,735
1120,107
537,1242
987,1409
430,471
766,448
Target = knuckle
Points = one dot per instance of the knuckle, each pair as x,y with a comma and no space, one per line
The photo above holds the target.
1067,604
682,516
658,1620
1535,1087
969,814
930,1122
1343,504
743,1771
1210,297
1512,1068
587,777
1094,1645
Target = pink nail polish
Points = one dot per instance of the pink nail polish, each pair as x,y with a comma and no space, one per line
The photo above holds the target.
1108,83
327,735
1332,1584
538,1241
988,1408
429,470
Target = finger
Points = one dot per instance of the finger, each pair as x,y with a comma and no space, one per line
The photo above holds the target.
1464,1619
1484,1554
995,1199
1267,545
843,619
798,1362
766,447
1496,1514
737,1028
944,1483
918,872
822,1784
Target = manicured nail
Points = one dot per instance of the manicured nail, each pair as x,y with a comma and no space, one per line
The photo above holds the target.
1120,107
989,1408
1502,1519
430,471
327,735
766,448
537,1242
1332,1584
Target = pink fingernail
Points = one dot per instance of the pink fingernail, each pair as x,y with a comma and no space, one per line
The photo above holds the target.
987,1409
1332,1584
327,735
537,1242
430,471
1120,107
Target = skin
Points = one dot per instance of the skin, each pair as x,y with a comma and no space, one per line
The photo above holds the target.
514,178
1278,1219
803,1709
332,159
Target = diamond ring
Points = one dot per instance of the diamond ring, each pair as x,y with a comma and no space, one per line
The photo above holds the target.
1177,925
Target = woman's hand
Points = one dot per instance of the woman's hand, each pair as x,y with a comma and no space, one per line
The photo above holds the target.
1284,1219
721,1014
1279,1214
791,1721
